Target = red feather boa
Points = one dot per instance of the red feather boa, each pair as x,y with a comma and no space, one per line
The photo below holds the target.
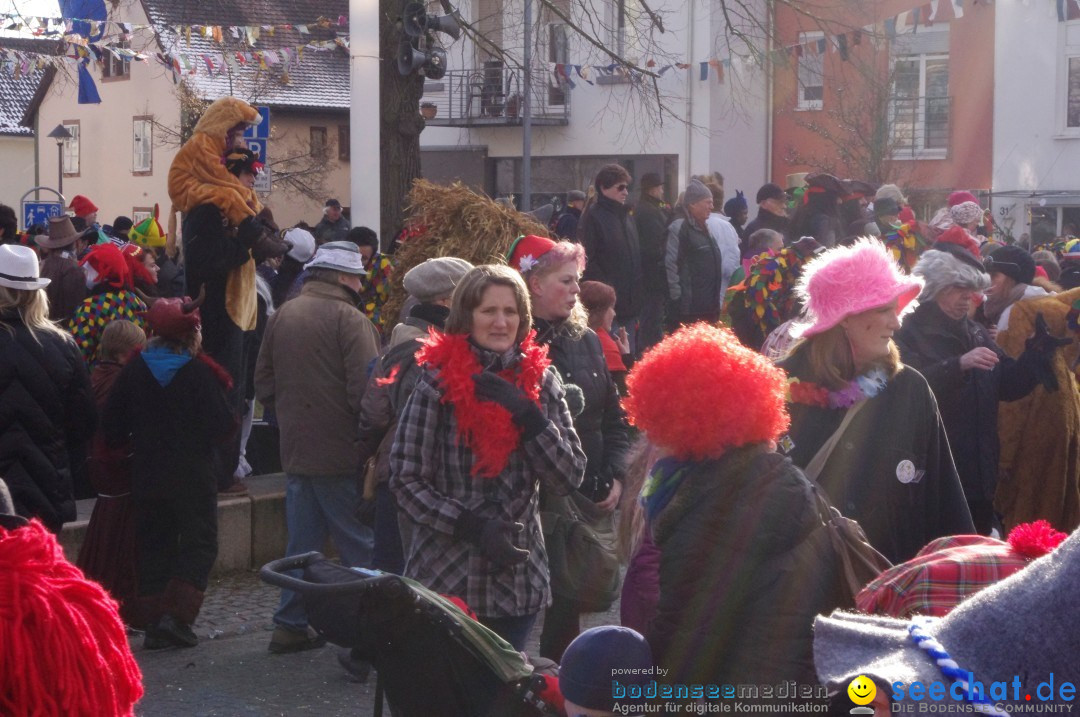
485,428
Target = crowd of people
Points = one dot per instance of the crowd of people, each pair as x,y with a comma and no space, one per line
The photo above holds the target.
734,388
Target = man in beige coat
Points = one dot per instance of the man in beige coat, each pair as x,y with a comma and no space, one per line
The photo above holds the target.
312,371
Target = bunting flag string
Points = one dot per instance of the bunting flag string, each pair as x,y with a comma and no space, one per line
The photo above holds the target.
39,26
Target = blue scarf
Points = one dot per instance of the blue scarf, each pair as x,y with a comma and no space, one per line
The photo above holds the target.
164,364
666,477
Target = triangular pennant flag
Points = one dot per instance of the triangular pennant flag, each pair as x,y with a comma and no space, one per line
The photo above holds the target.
821,46
718,70
703,71
958,8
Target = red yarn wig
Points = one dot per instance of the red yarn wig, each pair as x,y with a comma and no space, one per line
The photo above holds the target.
64,651
700,392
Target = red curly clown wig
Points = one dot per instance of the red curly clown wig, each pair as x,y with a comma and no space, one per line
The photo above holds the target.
700,392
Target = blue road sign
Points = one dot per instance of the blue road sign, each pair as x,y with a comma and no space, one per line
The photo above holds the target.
258,148
39,212
261,130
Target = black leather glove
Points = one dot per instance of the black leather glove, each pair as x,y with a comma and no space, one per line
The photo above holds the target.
490,387
249,231
494,538
1043,345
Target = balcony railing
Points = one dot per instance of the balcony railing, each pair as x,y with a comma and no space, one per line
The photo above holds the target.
492,96
920,125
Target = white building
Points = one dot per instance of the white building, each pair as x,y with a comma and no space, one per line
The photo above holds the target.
476,134
1036,139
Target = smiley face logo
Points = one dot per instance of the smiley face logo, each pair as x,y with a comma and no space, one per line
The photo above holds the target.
862,690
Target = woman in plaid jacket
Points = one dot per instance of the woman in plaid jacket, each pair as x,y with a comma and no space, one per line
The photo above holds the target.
486,423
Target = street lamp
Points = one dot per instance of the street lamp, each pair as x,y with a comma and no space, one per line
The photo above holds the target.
60,134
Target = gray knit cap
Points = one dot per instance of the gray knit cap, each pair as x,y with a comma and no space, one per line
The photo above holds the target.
695,192
435,278
1023,627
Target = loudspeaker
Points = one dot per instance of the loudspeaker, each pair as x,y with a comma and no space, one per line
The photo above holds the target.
413,19
409,59
435,67
444,23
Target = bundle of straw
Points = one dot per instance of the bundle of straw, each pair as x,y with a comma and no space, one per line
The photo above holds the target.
455,221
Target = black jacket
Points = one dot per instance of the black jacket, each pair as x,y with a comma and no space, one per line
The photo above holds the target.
744,567
614,255
173,428
652,222
892,470
601,426
47,414
694,271
566,226
766,220
933,343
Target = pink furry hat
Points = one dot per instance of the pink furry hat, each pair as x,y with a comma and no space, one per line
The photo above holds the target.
847,280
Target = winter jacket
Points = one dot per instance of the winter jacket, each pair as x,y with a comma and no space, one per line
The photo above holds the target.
46,415
745,565
695,271
312,371
392,381
933,343
765,220
614,254
173,409
67,287
652,221
892,470
566,226
327,231
601,425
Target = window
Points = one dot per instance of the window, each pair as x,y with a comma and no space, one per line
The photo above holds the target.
920,106
558,52
343,139
115,67
142,156
71,149
318,142
1072,111
811,73
141,214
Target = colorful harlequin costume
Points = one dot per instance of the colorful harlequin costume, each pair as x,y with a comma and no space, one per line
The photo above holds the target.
376,289
905,243
111,297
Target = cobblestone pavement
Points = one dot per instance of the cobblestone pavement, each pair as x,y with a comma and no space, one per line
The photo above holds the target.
232,673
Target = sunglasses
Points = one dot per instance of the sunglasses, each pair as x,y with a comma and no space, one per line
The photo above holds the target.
622,187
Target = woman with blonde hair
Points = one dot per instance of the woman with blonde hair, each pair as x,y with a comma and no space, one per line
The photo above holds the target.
485,425
552,272
863,425
48,410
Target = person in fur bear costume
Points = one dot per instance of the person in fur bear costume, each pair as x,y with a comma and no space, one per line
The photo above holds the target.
1040,434
224,238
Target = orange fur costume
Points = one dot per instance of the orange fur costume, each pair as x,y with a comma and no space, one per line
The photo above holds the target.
198,176
1040,434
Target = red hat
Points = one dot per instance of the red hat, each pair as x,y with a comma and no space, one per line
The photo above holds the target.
959,197
133,255
82,206
526,250
175,319
109,266
958,235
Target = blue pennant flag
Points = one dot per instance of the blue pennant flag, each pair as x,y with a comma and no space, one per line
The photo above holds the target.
88,94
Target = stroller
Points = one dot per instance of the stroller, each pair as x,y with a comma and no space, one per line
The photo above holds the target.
431,658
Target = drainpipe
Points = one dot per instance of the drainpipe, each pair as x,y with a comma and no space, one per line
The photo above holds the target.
689,89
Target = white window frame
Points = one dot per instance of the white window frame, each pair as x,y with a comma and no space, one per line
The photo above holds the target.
806,39
920,150
1069,49
142,145
71,148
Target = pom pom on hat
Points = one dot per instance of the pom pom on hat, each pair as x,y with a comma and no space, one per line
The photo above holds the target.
959,197
700,391
1034,540
526,251
735,204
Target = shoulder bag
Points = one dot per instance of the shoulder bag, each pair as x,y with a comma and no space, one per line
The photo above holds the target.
582,559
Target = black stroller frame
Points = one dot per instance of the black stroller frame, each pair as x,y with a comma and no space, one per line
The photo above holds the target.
426,663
